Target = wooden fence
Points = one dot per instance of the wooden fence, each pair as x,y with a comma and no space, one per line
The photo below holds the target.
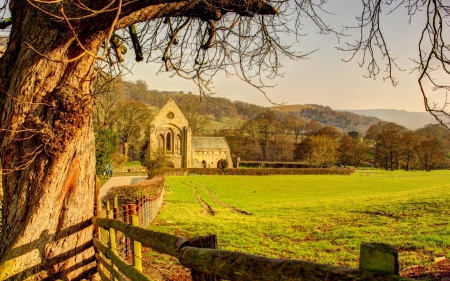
144,211
377,261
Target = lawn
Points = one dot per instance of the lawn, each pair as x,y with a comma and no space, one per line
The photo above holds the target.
316,218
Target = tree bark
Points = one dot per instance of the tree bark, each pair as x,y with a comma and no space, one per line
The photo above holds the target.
47,151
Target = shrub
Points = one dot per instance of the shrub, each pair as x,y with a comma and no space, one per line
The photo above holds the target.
105,145
118,159
129,194
156,165
224,164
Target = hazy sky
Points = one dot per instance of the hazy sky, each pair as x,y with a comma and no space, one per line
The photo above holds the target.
324,78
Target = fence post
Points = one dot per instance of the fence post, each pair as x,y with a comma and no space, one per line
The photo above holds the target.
210,242
132,211
112,239
138,204
137,254
126,217
116,201
379,257
116,213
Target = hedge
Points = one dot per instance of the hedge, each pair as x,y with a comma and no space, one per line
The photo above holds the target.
260,172
128,194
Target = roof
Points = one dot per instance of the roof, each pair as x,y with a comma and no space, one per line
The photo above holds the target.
209,143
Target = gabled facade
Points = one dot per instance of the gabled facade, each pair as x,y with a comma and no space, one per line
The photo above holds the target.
170,133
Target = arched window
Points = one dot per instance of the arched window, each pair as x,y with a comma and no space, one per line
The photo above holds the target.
169,142
178,145
160,142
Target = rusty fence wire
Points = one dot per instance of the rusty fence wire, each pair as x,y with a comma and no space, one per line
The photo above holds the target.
146,208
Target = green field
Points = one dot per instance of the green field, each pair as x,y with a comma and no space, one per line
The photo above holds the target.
316,218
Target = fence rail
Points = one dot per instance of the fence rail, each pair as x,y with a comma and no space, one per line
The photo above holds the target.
145,211
239,266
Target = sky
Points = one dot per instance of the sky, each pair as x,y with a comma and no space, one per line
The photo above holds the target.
324,78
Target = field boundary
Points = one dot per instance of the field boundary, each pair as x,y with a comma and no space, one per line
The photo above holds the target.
259,172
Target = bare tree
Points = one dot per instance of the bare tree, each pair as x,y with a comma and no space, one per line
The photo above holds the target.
194,111
295,125
432,62
107,90
132,118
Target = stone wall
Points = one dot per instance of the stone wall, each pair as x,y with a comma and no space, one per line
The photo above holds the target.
211,158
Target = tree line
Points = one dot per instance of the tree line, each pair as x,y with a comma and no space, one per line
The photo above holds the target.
387,145
124,109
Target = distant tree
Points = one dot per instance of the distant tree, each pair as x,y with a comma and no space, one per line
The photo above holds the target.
132,121
372,132
218,116
194,111
105,146
250,129
408,145
248,111
440,132
330,131
267,127
359,151
345,150
429,152
323,150
220,108
294,125
312,127
137,90
303,150
388,144
282,148
251,149
108,91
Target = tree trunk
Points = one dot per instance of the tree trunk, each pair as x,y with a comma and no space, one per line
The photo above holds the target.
46,136
47,151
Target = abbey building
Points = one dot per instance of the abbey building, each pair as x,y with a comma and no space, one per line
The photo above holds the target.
170,134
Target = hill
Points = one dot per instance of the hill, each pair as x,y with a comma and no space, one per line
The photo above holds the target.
225,113
345,121
411,120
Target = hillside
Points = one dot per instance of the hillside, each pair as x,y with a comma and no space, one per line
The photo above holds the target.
345,121
411,120
225,113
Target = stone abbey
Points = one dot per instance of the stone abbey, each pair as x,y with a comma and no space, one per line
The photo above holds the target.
170,133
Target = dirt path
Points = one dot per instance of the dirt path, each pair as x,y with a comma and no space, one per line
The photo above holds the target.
207,209
223,204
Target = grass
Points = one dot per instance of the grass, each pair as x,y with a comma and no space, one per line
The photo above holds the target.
103,181
133,163
316,218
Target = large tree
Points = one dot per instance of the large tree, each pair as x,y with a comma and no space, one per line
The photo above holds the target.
46,74
47,137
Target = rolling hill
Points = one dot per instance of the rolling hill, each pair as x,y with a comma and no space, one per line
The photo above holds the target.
411,120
